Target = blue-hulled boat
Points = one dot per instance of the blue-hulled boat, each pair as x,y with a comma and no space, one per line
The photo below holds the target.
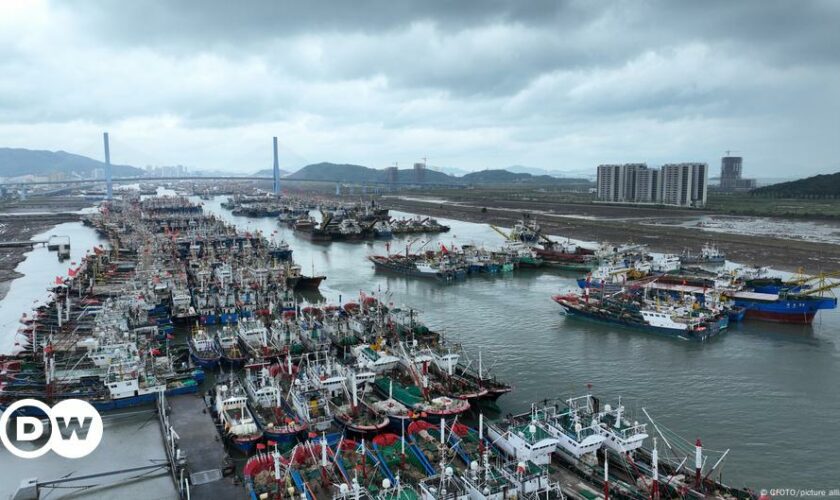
204,350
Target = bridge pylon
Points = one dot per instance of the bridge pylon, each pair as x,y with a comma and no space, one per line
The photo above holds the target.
109,187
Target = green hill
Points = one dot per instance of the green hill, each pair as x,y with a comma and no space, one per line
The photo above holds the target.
334,172
268,172
17,161
508,177
818,186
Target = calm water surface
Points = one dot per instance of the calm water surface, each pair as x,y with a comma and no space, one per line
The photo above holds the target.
768,392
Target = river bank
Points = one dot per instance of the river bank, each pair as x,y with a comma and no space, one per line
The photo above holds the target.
22,227
598,223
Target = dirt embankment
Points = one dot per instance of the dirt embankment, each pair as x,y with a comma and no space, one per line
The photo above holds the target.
784,254
22,227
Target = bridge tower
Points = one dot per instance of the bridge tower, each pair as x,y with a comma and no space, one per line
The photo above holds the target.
109,186
276,170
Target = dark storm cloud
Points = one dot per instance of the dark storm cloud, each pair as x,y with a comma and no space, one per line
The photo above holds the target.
218,20
561,35
530,81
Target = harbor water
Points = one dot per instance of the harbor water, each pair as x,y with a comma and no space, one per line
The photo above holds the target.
766,391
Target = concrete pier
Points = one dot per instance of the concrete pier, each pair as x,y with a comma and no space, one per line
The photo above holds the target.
195,447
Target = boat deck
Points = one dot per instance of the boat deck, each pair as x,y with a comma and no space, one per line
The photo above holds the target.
204,453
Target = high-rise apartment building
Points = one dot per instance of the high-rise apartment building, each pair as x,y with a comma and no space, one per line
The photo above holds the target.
628,183
683,184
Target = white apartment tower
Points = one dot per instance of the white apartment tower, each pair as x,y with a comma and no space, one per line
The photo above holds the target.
685,184
628,183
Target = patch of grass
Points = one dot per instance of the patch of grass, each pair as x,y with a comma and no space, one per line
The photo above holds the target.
744,204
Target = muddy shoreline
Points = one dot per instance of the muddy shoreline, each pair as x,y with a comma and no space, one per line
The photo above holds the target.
782,254
22,227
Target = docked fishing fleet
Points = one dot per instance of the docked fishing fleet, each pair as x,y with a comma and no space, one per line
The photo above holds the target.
693,303
357,399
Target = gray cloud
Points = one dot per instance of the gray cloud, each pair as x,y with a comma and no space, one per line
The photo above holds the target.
469,83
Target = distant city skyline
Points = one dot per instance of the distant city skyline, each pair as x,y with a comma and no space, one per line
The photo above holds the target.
561,86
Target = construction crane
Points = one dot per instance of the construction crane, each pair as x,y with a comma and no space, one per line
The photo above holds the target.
729,152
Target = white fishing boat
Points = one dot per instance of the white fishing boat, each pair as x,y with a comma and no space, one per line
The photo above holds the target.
523,441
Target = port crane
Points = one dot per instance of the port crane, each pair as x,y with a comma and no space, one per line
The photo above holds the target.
507,236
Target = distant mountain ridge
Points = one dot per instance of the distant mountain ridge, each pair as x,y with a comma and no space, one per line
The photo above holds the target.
333,172
269,172
15,162
818,186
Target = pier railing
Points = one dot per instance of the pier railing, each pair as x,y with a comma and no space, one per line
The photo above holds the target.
177,464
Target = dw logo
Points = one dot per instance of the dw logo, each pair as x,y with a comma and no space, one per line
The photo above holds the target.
75,428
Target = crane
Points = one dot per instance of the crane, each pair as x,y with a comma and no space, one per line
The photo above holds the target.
823,284
505,235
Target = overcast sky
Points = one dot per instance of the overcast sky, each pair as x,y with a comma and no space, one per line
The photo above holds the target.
469,84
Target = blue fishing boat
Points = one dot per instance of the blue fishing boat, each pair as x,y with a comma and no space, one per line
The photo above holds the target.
203,349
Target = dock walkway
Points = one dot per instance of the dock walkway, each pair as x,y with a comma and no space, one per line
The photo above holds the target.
200,448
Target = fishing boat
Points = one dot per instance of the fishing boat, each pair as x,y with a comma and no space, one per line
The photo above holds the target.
203,349
271,412
485,379
796,308
309,282
709,255
428,405
526,231
523,441
382,230
577,432
253,336
375,357
231,408
352,412
129,384
678,322
228,345
410,266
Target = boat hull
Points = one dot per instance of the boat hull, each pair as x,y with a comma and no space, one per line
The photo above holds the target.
694,335
790,310
309,282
